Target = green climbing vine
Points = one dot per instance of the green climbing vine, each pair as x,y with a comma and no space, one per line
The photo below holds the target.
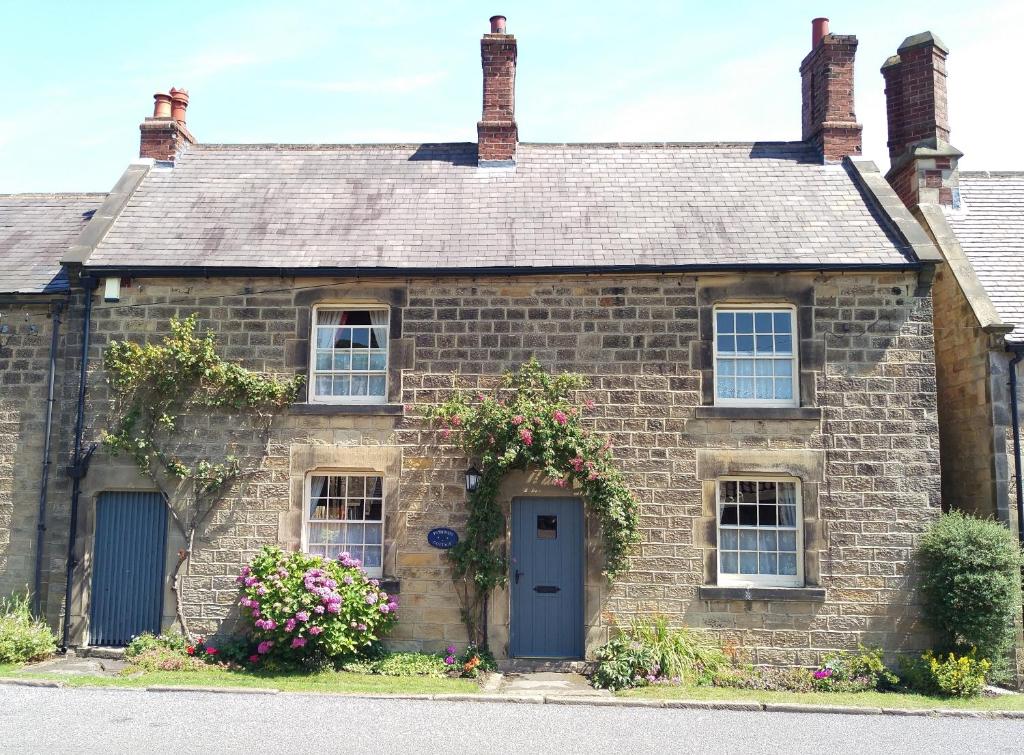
529,420
168,396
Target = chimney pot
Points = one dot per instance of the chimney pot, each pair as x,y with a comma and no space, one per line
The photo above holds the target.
497,24
161,105
819,30
179,101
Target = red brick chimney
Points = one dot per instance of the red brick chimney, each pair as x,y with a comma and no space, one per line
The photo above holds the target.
923,165
165,134
497,134
829,121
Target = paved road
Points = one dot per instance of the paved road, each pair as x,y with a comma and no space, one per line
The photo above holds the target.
130,721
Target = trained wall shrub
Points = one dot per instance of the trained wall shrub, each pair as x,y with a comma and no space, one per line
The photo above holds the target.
306,609
970,584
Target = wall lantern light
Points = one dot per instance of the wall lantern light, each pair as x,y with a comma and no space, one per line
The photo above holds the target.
472,479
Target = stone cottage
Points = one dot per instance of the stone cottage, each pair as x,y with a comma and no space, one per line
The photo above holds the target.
755,321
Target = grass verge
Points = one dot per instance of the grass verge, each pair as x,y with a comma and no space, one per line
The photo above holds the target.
861,699
289,682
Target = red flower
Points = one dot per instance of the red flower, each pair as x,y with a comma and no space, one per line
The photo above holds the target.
190,650
211,651
254,659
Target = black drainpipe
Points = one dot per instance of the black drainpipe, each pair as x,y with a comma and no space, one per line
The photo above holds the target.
79,462
1018,354
37,582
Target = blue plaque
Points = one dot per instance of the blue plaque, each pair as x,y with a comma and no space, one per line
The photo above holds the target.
443,537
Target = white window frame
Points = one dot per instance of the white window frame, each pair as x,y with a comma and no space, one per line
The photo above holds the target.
311,395
307,494
795,359
760,580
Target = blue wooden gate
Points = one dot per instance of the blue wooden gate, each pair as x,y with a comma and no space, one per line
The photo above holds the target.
547,578
127,567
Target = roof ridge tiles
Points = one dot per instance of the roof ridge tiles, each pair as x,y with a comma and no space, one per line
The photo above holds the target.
312,147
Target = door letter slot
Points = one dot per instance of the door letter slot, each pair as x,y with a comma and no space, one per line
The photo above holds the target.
547,588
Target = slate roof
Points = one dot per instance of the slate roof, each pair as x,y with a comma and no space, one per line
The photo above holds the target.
429,207
990,228
35,232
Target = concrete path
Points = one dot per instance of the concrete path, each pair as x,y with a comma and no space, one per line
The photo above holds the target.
73,665
548,683
119,721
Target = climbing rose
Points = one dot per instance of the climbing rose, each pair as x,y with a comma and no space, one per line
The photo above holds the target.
190,650
211,651
518,419
526,436
560,417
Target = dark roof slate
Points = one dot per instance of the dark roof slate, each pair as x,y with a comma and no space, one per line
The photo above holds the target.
429,207
990,228
35,232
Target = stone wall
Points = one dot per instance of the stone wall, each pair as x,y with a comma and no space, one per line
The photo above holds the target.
25,339
973,413
868,460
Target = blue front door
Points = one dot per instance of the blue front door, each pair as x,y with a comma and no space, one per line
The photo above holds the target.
128,567
547,578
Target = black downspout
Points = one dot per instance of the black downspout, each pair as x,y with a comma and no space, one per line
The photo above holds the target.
37,583
1018,355
77,470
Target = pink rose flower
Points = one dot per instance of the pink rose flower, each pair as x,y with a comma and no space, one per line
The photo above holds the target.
518,419
560,417
526,436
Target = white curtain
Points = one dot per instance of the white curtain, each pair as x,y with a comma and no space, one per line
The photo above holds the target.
331,317
787,498
318,486
379,322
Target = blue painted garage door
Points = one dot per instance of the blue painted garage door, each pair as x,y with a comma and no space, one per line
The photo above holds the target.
547,578
127,567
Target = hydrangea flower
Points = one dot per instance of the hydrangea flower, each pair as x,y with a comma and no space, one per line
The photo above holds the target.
371,598
302,616
450,660
299,642
316,630
289,625
264,647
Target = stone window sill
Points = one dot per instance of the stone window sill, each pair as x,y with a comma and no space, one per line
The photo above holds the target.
802,594
812,413
348,409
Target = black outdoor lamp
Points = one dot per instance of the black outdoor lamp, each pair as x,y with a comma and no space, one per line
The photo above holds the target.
472,479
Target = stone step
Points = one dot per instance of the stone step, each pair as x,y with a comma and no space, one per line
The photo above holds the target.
110,653
538,665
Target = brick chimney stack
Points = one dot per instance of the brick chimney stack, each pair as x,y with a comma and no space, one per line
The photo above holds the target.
165,134
497,133
829,121
923,163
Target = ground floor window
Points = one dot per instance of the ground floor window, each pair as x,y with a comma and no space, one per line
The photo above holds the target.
345,513
759,532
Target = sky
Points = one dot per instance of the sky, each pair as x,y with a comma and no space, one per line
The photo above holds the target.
77,83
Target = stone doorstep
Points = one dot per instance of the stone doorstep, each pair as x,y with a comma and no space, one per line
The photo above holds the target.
530,666
108,653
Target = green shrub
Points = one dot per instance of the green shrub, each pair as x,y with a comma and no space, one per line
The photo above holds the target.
148,641
970,584
765,678
163,658
401,664
472,661
651,651
954,676
22,637
854,672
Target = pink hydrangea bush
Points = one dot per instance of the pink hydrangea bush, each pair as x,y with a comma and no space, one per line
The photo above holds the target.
301,607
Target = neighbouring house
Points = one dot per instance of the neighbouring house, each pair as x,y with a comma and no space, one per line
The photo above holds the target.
976,220
40,321
755,320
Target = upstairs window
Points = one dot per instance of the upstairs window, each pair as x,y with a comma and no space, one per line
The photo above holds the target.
349,355
755,357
